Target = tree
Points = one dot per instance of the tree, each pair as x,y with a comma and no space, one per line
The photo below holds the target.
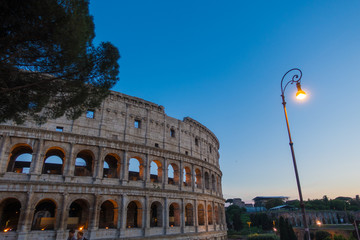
233,217
49,66
274,203
286,230
237,221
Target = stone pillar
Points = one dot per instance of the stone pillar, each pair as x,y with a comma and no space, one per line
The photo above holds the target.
70,164
166,216
4,152
146,218
98,171
146,171
62,214
123,215
125,169
193,177
94,221
119,219
196,220
203,181
38,159
165,173
181,172
206,216
26,217
182,215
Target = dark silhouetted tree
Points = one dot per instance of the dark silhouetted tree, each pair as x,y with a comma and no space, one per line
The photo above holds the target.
49,66
286,230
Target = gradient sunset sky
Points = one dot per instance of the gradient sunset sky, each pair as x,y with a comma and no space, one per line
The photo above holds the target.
221,63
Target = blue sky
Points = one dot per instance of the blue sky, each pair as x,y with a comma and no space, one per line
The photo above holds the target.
221,63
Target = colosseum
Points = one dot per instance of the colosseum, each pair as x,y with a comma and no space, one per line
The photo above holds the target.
123,171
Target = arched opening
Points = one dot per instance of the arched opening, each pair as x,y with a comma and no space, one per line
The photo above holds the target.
155,171
136,169
111,166
134,215
207,180
173,174
84,163
78,214
210,215
213,182
44,215
156,215
189,216
187,176
108,215
174,215
53,163
197,178
20,159
201,214
9,214
217,217
217,183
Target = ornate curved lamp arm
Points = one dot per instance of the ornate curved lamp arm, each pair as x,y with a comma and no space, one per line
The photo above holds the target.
296,78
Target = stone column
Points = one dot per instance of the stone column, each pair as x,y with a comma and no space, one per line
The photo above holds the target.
166,216
146,171
203,181
206,216
38,159
196,220
125,169
146,219
94,221
123,215
26,217
62,214
182,215
181,172
119,219
70,164
4,152
193,177
98,171
165,173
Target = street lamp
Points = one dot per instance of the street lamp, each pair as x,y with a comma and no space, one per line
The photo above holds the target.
296,78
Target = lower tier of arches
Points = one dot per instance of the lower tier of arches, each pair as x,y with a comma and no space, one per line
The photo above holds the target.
28,211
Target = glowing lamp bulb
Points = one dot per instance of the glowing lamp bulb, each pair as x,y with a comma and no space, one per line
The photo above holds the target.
300,93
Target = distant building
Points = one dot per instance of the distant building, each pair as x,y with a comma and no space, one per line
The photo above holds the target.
238,202
261,201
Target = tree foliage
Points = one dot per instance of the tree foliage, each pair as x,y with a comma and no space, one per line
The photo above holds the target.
339,204
261,220
49,66
286,230
233,217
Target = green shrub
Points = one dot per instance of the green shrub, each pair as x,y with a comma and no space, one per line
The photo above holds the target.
262,237
339,237
322,235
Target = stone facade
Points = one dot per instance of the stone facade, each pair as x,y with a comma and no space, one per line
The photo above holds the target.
123,171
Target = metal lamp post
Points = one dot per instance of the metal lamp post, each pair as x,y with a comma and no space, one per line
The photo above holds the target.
296,78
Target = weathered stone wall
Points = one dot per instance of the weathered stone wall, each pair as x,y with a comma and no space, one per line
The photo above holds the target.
189,204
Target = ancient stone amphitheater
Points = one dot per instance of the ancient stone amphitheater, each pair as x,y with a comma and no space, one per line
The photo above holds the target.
123,171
